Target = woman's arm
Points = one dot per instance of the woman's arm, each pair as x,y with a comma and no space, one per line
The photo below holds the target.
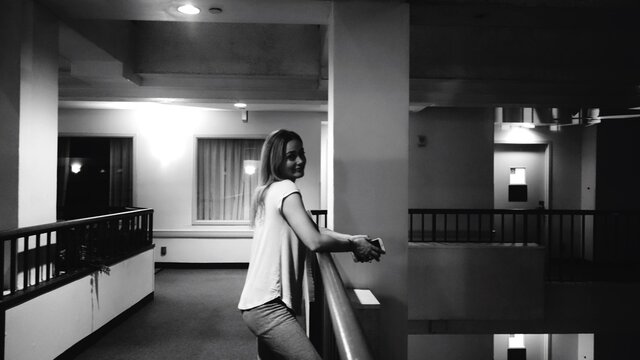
325,240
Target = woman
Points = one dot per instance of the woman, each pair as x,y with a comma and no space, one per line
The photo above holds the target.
282,229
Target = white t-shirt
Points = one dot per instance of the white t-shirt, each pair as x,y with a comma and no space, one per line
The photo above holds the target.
276,265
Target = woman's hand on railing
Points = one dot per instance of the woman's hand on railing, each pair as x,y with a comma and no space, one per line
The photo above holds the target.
363,250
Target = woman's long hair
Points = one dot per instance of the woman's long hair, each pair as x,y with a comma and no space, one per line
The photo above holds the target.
272,156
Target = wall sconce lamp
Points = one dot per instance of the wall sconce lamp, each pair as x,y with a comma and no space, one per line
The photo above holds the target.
76,167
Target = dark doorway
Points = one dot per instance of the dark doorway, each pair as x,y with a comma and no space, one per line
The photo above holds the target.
94,176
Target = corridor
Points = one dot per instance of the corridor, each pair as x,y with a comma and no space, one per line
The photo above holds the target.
193,316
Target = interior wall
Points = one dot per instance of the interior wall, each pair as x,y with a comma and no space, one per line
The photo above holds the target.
459,282
616,144
533,158
566,159
164,165
585,347
589,149
447,347
536,345
564,346
455,167
60,318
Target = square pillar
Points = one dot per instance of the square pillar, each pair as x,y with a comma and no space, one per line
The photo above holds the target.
29,115
368,151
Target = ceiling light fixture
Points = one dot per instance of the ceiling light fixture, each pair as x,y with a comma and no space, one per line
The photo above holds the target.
189,9
215,10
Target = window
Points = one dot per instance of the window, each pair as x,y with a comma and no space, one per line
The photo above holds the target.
227,176
95,175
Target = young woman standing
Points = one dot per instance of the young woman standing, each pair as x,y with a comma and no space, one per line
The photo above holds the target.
282,230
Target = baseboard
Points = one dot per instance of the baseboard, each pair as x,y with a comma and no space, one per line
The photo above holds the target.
92,338
180,265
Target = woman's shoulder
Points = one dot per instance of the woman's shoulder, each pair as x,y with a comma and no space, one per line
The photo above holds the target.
286,183
283,186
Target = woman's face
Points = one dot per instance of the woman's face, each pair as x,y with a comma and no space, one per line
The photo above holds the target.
292,167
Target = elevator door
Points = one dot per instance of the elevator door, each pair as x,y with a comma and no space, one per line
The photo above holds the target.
520,164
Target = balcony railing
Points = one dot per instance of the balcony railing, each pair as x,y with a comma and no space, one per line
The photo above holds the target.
332,324
581,245
39,258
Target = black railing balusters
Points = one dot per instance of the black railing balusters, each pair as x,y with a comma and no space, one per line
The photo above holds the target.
606,238
445,227
491,227
513,227
37,259
47,256
67,247
13,272
571,241
143,231
434,226
25,262
525,229
550,234
583,236
150,229
502,227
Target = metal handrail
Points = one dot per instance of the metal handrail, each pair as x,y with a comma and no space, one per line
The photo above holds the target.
348,334
60,225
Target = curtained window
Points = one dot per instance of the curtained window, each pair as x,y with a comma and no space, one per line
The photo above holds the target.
94,175
227,176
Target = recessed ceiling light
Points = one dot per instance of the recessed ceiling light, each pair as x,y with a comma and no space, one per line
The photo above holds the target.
189,9
215,10
240,105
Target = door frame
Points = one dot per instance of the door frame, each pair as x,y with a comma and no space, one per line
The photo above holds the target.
547,166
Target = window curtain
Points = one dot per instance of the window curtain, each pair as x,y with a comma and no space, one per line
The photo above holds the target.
224,188
120,172
64,169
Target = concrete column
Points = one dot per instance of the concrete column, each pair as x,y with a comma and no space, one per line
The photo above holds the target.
368,151
9,111
29,115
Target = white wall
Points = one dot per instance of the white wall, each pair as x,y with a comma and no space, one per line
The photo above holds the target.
48,325
536,345
585,347
164,165
566,159
455,167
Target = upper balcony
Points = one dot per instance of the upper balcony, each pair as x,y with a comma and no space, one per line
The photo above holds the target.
505,271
